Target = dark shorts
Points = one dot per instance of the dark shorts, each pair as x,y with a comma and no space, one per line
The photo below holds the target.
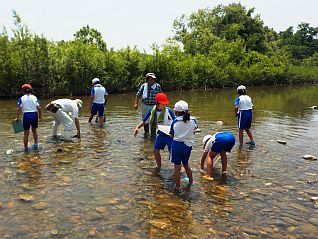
97,108
224,141
180,153
245,119
30,119
162,140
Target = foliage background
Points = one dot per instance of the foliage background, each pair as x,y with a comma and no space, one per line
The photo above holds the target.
211,48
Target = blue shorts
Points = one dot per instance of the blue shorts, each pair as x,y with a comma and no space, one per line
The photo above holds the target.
97,108
224,141
245,119
30,119
180,153
162,140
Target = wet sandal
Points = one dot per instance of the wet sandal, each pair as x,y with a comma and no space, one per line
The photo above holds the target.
208,178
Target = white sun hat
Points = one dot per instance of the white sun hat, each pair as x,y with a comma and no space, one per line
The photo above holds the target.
205,138
95,80
181,106
241,87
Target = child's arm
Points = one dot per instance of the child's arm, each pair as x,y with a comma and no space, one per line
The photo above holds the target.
204,155
138,127
18,114
39,112
236,110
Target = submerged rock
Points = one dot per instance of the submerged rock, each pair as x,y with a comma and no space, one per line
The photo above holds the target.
1,204
160,223
9,151
36,160
40,205
101,209
281,141
54,232
309,157
26,197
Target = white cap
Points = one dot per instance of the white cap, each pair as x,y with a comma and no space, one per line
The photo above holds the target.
79,103
205,138
241,87
95,80
152,75
181,106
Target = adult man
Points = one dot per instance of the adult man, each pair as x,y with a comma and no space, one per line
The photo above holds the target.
147,92
65,112
98,98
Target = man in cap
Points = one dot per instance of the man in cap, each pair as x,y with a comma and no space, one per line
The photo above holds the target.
147,92
65,112
98,99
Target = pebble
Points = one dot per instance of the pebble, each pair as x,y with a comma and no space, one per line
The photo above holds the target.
1,204
314,199
101,209
10,205
299,207
207,221
92,231
313,221
309,157
36,160
281,142
54,232
40,205
26,197
160,223
9,151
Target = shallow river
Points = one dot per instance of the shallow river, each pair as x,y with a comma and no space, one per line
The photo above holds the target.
103,186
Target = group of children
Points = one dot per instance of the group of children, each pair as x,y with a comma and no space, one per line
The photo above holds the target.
182,134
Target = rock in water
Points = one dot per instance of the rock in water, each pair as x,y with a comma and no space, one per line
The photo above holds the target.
281,141
9,151
219,122
309,157
40,205
26,197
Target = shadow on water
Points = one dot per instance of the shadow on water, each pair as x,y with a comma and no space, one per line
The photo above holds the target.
104,186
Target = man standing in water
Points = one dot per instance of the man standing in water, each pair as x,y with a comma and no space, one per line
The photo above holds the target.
65,111
147,92
98,98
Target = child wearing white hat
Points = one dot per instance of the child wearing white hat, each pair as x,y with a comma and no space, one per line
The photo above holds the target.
219,143
244,112
183,130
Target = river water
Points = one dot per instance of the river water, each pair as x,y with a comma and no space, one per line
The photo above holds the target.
103,186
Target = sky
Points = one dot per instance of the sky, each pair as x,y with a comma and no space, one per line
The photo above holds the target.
139,23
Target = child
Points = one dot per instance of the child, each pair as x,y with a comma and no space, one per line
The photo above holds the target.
159,115
243,109
182,130
31,109
219,143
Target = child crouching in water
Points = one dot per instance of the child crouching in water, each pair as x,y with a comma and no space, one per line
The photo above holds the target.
160,114
219,143
183,130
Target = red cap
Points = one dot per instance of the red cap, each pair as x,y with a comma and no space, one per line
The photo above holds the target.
26,86
162,98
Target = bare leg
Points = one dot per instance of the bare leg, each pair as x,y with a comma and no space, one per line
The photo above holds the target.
189,173
35,136
249,133
26,138
156,153
90,118
209,165
241,136
101,121
224,161
177,169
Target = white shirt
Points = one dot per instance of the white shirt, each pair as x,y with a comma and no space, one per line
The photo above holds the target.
99,92
184,132
209,144
244,102
68,106
28,103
